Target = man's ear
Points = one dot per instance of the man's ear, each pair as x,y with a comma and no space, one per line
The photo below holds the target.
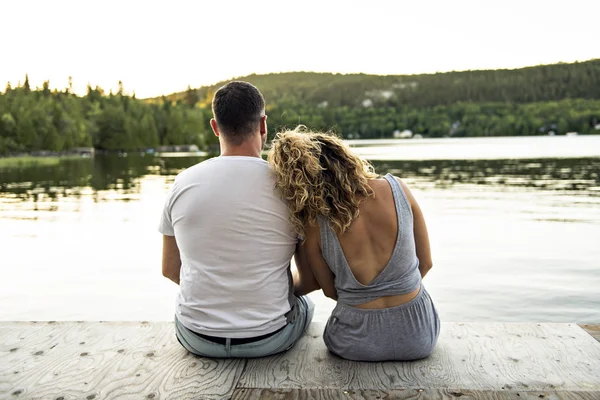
213,125
263,124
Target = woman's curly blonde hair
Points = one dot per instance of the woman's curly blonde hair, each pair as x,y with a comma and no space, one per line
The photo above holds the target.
318,175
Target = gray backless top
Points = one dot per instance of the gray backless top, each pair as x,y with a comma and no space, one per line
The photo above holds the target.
401,274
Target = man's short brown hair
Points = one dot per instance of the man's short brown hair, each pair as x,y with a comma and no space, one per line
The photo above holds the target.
237,108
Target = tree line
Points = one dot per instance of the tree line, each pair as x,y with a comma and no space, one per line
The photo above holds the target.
538,100
461,119
58,121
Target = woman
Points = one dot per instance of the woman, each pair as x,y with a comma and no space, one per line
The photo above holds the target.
367,245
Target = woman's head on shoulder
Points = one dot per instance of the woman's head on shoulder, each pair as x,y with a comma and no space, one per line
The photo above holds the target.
319,176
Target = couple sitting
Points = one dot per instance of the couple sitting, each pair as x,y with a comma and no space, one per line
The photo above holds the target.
232,224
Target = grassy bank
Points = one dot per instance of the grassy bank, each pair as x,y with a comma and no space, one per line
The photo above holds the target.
30,161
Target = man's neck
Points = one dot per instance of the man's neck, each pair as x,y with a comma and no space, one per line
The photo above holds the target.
247,149
239,153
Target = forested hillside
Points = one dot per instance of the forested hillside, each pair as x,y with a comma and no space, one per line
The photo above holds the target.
526,85
531,101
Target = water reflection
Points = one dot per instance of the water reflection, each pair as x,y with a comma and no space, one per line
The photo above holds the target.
121,175
572,174
74,178
519,236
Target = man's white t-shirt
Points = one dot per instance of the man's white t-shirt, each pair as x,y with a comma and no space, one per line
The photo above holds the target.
236,243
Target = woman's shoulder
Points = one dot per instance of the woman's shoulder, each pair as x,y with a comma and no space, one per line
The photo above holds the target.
383,183
382,187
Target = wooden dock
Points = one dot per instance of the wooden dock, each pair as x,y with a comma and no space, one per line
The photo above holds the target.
133,360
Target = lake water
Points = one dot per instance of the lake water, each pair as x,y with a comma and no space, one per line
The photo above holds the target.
514,226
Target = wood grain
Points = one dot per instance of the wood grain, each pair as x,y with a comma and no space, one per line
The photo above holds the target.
133,360
95,360
401,394
476,356
593,330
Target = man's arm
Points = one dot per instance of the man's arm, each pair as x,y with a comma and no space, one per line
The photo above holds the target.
171,260
304,279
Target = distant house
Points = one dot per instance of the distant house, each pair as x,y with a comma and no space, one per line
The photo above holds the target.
182,150
405,134
178,148
83,151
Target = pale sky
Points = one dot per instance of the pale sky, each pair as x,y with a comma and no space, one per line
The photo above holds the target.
159,47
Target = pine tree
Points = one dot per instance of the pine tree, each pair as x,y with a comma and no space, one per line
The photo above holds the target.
26,85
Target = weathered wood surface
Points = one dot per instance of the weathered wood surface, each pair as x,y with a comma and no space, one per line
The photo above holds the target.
104,360
132,360
593,330
401,394
499,357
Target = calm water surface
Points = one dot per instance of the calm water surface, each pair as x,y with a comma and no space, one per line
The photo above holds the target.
515,235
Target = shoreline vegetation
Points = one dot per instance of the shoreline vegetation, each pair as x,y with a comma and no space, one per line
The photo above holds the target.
26,161
556,99
37,160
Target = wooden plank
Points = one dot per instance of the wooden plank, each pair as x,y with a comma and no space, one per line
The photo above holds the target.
593,330
95,360
114,360
401,394
475,356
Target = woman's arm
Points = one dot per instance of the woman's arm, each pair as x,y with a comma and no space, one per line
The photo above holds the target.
317,263
420,230
304,279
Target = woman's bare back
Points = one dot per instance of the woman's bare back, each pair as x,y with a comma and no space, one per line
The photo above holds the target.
369,242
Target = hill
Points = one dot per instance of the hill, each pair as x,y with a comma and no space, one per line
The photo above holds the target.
549,99
532,84
535,100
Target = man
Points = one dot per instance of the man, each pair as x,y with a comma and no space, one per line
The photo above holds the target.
227,242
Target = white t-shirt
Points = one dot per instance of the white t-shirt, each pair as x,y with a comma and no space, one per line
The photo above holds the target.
236,243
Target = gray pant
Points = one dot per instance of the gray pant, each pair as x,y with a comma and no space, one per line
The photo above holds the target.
405,332
283,340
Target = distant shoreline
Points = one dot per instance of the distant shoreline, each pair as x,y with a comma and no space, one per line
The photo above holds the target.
49,158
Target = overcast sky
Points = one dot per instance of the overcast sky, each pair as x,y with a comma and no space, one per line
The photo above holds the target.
159,47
